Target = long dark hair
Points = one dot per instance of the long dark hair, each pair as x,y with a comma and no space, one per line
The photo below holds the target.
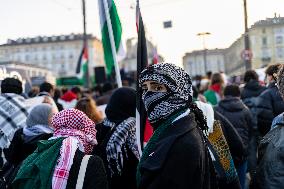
199,117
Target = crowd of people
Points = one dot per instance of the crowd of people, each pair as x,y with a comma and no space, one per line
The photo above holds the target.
206,135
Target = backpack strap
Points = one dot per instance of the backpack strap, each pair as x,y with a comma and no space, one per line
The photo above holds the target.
82,171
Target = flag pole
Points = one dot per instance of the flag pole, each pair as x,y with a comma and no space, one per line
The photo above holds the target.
85,43
112,44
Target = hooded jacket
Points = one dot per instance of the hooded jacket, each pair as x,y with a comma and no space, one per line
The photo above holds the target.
252,89
269,105
239,115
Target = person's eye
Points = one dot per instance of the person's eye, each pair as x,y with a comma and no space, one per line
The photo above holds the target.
158,88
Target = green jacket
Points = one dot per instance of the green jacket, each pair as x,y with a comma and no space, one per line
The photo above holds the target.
211,97
37,170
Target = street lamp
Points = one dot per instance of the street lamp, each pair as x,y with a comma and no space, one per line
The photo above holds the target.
203,34
247,52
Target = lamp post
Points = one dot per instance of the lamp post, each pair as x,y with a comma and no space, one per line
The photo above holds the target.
203,34
247,53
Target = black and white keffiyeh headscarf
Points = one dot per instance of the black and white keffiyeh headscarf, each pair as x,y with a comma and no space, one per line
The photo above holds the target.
161,105
123,135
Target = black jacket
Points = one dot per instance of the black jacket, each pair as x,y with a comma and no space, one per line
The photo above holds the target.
95,176
239,115
252,89
180,159
269,105
127,179
19,149
270,170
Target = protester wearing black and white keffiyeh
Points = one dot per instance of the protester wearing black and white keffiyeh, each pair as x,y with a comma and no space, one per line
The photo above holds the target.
123,135
13,111
119,148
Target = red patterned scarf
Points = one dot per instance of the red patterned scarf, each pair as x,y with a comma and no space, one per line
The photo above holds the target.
80,132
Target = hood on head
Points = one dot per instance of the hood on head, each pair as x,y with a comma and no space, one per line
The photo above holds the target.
232,104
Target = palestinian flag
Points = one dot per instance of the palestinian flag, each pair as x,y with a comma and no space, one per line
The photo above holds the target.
82,66
143,128
117,32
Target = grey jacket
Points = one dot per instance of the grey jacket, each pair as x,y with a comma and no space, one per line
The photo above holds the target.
270,172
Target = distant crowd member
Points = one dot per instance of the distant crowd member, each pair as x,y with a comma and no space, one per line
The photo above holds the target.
89,107
44,96
249,96
97,92
33,92
214,94
38,127
271,150
70,98
57,95
117,139
269,104
63,161
13,111
107,92
239,115
176,155
46,89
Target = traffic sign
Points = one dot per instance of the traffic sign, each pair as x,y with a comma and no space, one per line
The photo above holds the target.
246,55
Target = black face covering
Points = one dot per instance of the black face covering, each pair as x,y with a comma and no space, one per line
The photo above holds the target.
162,105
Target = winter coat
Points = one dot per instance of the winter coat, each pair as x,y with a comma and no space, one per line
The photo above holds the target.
239,115
95,175
19,149
252,89
180,159
127,179
37,170
269,105
270,172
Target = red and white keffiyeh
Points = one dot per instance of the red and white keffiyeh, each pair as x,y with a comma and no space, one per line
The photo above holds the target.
64,163
73,122
80,132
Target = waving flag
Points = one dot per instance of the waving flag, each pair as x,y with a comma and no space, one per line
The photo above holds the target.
117,33
82,66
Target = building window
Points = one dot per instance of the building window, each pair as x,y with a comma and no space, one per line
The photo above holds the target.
279,40
263,30
280,52
43,48
264,41
62,56
71,56
44,57
27,57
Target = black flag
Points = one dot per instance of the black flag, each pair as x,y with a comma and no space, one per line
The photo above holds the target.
142,62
